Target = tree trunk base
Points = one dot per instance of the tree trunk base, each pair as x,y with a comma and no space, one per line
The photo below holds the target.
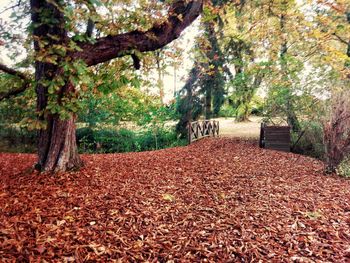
58,150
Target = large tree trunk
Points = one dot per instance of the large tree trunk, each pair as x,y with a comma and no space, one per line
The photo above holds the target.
57,149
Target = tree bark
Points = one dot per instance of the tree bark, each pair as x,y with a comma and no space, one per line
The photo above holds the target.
181,14
160,81
57,145
57,149
208,113
292,118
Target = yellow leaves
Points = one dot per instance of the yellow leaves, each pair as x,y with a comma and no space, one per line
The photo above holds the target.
138,244
168,197
69,218
33,124
313,215
98,249
60,222
113,212
222,196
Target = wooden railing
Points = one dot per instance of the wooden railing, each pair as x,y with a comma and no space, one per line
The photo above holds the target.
201,129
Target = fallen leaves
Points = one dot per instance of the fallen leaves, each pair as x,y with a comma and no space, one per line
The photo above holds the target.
215,200
168,197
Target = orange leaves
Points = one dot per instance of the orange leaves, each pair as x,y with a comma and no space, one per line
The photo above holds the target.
215,200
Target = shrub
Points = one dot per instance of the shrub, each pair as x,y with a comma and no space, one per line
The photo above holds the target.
86,140
337,130
123,140
227,110
311,141
16,139
158,139
344,168
110,141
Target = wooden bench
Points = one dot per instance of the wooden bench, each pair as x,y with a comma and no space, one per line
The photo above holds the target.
275,137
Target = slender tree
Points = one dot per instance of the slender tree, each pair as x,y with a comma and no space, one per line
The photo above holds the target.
189,105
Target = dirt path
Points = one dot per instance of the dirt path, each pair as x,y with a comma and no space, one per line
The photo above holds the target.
246,130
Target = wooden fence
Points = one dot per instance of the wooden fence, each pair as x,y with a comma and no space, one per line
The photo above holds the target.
275,137
201,129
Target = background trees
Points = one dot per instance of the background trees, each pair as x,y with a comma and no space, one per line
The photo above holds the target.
291,58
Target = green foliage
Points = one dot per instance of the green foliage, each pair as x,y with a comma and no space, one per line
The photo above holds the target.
257,105
16,139
124,140
164,138
311,141
20,111
126,103
14,110
156,116
344,168
241,111
115,141
227,111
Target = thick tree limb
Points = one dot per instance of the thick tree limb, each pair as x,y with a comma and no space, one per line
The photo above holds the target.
13,92
12,72
181,14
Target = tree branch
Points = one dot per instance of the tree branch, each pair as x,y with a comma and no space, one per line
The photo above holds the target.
12,72
90,28
181,14
341,39
11,7
13,92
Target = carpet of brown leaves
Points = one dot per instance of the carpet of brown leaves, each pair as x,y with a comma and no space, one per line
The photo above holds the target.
218,200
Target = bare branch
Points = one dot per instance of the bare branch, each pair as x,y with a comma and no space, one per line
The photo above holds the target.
11,7
341,39
181,14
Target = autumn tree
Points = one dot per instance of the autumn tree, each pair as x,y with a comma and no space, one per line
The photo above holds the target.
63,57
333,20
204,90
241,43
189,105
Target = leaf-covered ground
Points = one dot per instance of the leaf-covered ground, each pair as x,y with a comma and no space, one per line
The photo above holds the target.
218,200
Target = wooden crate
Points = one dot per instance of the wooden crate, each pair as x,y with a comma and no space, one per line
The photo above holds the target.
275,138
